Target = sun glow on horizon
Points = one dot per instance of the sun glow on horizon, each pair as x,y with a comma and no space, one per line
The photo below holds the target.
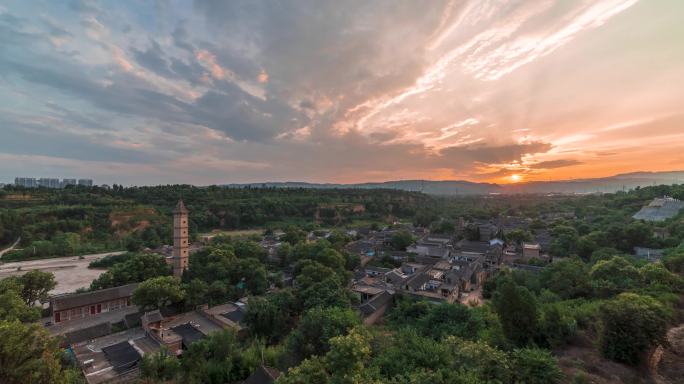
515,178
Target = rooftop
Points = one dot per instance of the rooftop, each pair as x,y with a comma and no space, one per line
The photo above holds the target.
106,358
660,209
180,207
263,375
68,301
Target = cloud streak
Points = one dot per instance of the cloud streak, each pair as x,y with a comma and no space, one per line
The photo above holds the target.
316,90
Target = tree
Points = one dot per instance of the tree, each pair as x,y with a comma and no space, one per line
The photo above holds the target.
567,278
439,321
405,351
212,360
245,249
565,240
158,292
632,324
36,285
675,262
28,355
637,233
285,252
310,371
588,244
66,243
348,356
318,285
160,366
519,236
251,273
489,364
133,243
338,239
535,366
555,328
137,268
195,293
211,264
316,328
657,276
401,239
150,237
271,316
613,276
443,226
293,235
517,311
13,307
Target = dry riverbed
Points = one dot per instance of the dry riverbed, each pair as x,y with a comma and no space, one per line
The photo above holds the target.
70,272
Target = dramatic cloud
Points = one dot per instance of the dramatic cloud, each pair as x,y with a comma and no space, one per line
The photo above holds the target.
239,91
553,164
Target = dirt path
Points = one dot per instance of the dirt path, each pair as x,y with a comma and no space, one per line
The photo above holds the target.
667,363
11,247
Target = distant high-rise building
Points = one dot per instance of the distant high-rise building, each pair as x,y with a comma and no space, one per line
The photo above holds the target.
48,182
27,182
66,182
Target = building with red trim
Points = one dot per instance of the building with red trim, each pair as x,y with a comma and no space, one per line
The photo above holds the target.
82,305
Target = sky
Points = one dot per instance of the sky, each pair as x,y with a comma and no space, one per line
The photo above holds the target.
210,92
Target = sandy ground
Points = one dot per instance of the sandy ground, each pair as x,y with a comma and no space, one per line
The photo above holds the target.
667,363
70,272
473,298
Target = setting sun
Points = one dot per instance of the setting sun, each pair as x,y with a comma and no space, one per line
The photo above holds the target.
515,178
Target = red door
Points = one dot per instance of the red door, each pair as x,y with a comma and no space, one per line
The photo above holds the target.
92,309
57,317
99,308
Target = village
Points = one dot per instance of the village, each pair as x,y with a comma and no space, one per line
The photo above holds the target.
108,335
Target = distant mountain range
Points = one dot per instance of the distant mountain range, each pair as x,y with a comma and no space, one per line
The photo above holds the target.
459,187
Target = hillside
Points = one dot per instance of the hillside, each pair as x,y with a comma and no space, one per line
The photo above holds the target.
461,187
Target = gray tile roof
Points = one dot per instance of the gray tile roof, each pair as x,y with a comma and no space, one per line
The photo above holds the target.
152,317
89,333
376,303
62,302
263,375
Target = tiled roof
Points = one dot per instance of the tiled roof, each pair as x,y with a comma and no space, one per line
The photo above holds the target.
263,375
62,302
375,303
189,334
89,333
122,356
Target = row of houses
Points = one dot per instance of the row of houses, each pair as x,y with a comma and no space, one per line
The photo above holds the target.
85,323
436,268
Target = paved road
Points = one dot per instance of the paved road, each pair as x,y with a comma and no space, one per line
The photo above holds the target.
11,247
70,272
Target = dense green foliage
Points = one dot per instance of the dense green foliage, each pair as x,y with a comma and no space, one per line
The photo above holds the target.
137,268
29,355
158,292
631,325
72,221
593,290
